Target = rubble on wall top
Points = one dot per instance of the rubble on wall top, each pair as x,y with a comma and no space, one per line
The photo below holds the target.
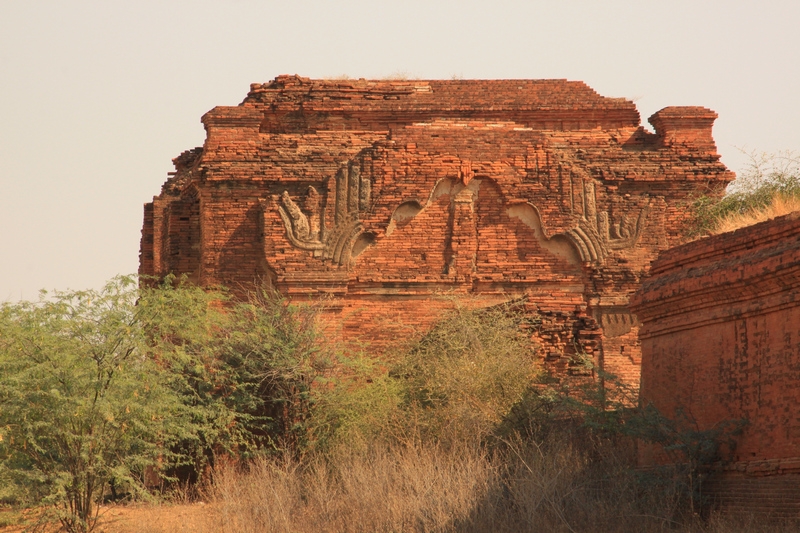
549,93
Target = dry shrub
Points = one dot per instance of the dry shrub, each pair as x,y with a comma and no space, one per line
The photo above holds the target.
572,482
384,488
779,206
561,485
465,375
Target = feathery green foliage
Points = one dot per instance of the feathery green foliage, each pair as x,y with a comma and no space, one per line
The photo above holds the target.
80,403
101,387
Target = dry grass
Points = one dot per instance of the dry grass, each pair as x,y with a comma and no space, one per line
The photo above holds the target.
779,206
413,488
552,487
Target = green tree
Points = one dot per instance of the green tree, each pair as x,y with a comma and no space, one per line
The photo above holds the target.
100,385
80,404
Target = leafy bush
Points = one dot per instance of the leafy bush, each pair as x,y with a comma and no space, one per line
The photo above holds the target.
463,377
458,381
356,401
243,368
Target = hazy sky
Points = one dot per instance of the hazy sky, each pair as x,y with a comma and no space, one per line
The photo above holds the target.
97,97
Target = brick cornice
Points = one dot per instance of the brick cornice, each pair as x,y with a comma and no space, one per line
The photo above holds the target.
750,271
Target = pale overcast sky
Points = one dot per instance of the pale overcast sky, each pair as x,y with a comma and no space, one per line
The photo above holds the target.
97,97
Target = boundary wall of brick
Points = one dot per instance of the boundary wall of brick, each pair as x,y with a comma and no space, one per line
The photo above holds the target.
720,338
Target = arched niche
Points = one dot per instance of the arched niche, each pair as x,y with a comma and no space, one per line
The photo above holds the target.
402,215
558,245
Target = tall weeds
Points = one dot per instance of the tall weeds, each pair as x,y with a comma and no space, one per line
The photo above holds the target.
767,188
387,488
553,486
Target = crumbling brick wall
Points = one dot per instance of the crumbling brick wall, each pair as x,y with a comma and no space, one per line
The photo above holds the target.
392,199
720,341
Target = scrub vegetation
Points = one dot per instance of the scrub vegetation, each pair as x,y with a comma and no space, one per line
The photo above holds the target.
128,398
769,187
124,392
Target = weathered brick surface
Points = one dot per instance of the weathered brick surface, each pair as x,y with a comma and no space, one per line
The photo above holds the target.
720,341
774,496
392,199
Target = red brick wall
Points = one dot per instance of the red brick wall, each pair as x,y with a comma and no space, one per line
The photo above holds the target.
393,200
720,341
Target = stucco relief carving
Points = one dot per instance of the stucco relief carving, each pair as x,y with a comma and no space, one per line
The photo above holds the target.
598,232
305,228
461,245
298,225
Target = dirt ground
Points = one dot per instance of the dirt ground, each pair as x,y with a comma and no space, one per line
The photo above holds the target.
167,518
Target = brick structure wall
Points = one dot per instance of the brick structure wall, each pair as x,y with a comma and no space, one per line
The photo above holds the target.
393,199
720,341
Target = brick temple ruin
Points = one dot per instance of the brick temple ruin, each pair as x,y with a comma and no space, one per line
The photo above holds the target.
393,199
